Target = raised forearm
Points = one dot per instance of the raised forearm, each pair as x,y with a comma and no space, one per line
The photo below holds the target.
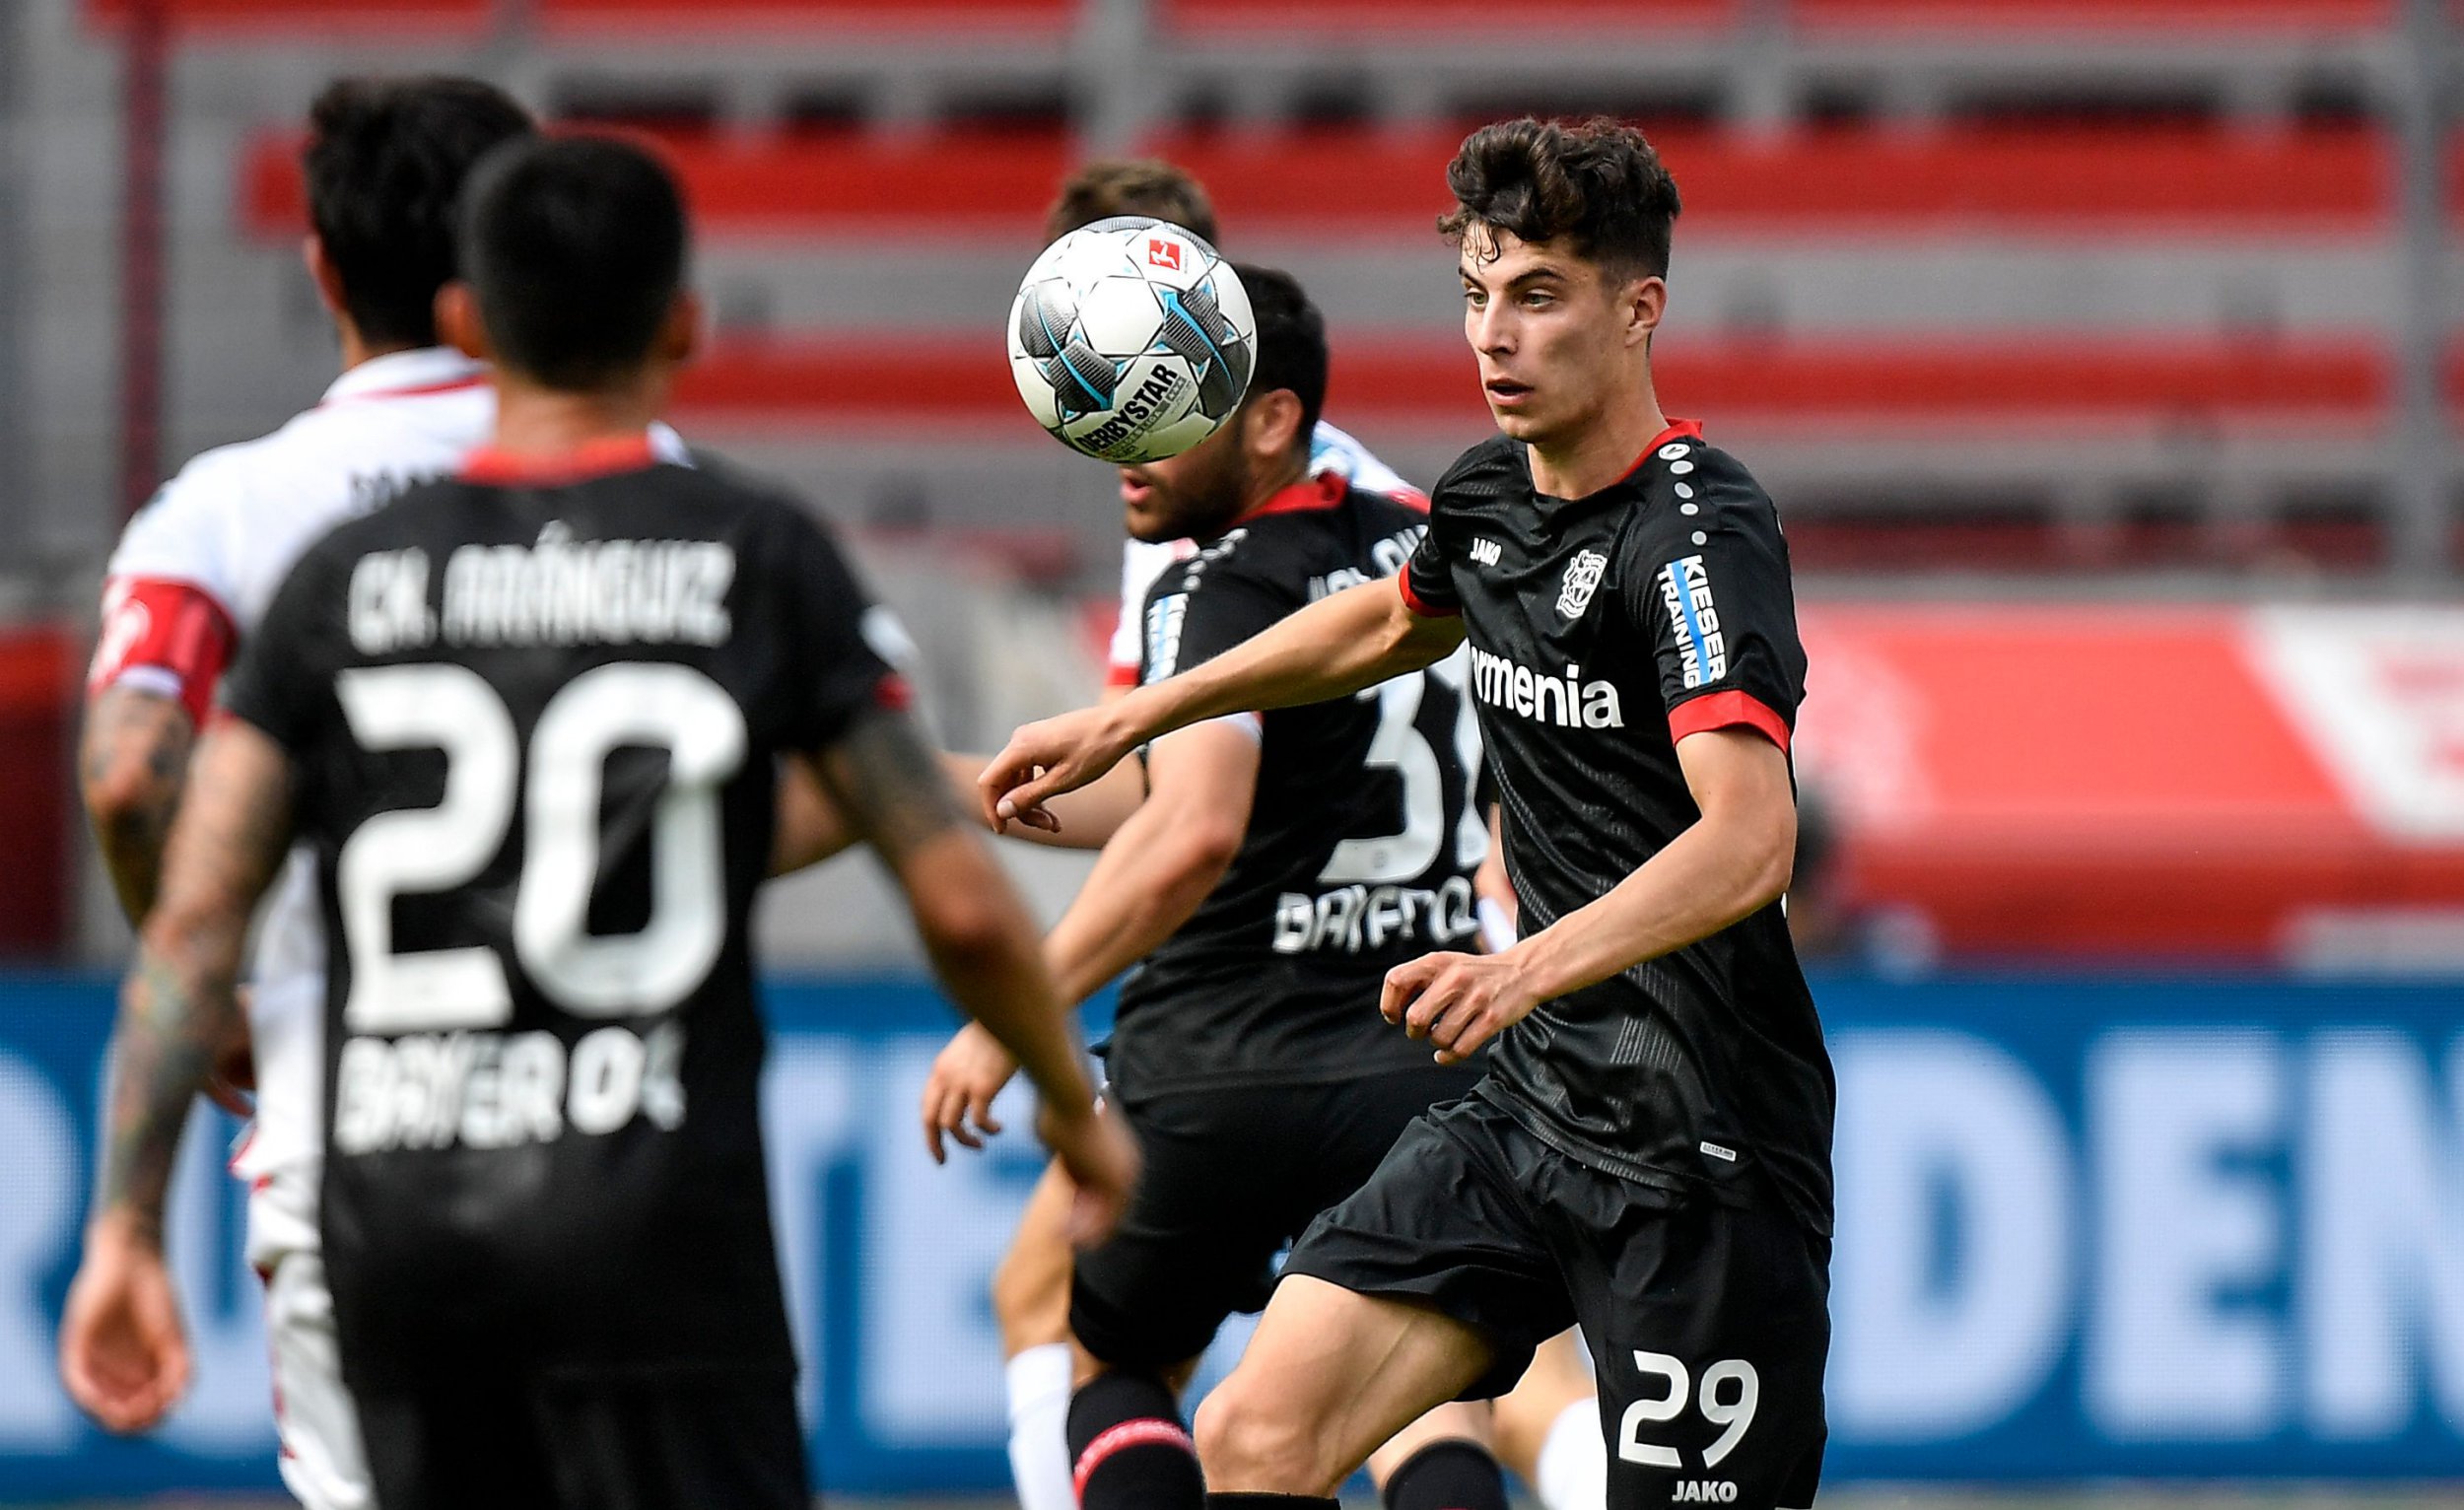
1714,875
1143,888
1353,639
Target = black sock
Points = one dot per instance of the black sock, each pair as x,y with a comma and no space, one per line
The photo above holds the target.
1129,1449
1449,1475
1268,1502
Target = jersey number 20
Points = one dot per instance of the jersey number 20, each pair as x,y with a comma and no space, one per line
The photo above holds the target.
450,708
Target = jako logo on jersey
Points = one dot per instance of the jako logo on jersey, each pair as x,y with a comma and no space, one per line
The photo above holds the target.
1484,551
1164,618
1568,701
1687,589
1704,1492
1583,575
1163,253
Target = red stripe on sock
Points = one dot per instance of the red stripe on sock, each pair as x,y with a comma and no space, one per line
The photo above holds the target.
1146,1431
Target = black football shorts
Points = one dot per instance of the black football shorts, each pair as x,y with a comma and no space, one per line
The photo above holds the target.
499,1438
1708,1324
1232,1175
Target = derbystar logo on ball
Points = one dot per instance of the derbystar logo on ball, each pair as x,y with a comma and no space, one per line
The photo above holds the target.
1131,340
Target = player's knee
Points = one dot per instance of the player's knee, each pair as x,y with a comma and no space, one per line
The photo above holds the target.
1249,1446
1030,1299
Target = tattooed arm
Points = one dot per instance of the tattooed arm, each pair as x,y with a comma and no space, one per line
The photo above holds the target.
889,785
129,768
121,1352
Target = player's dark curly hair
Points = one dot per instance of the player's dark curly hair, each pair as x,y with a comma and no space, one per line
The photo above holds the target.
385,164
1291,342
1132,186
1598,183
576,246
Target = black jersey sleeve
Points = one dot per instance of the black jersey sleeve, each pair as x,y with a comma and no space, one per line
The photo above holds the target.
282,680
1707,572
1195,613
827,624
1427,579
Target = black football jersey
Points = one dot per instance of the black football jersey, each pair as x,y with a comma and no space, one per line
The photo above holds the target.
1601,631
533,717
1362,837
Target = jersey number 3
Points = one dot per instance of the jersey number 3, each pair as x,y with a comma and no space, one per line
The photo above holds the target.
450,708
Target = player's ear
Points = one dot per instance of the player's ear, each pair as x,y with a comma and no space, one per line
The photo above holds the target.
457,321
1642,301
681,331
1273,422
322,273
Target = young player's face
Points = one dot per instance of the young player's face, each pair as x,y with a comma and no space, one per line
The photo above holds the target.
1548,330
1191,496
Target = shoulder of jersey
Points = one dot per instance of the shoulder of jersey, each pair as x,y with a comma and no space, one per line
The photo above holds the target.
1489,469
1693,487
313,465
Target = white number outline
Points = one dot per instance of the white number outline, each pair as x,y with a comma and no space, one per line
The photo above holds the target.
1399,746
1734,1418
452,709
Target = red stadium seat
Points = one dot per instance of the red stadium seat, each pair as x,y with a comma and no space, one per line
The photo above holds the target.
2054,384
996,183
878,18
1422,18
2004,18
309,18
2141,181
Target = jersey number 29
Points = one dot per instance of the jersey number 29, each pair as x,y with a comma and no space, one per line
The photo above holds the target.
452,709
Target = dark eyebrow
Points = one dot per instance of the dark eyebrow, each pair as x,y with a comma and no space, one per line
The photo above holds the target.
1526,276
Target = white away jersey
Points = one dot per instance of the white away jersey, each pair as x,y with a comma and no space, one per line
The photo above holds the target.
230,526
1330,451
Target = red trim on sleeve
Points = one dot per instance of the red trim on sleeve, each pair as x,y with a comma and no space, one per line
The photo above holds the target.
1728,709
420,390
894,693
1418,604
1117,675
172,629
494,468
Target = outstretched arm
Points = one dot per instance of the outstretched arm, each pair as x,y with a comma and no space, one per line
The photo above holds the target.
1164,860
122,1353
1335,646
886,782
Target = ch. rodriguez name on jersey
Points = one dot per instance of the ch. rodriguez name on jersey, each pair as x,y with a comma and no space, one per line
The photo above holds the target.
1566,701
559,592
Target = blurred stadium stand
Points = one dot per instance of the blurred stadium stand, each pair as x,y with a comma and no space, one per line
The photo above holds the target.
2063,299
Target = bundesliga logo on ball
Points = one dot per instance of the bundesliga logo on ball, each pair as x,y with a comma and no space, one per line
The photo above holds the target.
1131,340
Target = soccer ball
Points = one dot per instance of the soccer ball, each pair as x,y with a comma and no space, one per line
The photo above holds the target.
1131,340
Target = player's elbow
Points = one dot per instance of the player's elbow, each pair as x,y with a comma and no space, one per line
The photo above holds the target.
1769,852
125,793
1206,844
970,927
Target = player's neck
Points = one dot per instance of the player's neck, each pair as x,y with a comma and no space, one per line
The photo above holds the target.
1580,464
358,351
536,421
1268,489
